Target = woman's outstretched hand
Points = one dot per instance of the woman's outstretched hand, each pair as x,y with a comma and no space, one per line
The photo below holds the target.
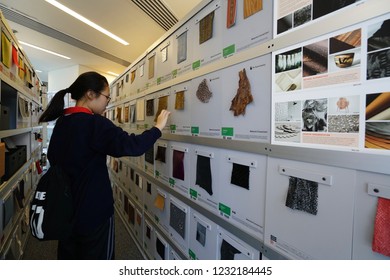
162,119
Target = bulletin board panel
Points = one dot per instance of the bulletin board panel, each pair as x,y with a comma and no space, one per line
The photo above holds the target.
317,223
322,91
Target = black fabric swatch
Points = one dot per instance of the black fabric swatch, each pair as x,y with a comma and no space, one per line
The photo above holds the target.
160,155
302,195
178,165
228,251
203,174
160,248
149,155
240,175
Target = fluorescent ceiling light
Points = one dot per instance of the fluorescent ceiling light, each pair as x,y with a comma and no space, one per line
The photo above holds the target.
38,71
44,50
112,73
86,21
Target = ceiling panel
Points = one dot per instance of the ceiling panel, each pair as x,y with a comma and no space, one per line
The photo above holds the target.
121,17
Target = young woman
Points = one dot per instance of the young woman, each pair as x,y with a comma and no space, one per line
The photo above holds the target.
80,142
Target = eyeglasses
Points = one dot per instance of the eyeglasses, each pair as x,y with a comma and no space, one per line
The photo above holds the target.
106,96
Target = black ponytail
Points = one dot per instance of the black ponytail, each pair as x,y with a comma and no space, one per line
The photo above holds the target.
55,108
86,81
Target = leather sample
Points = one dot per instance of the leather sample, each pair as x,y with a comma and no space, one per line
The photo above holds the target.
178,165
228,251
206,28
381,240
240,175
162,105
231,13
177,220
203,93
203,174
160,155
302,195
179,100
251,7
243,96
132,76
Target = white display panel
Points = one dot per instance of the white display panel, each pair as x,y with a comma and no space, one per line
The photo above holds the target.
298,234
210,50
253,123
203,238
243,205
149,238
365,210
207,198
244,251
206,97
321,91
180,118
246,32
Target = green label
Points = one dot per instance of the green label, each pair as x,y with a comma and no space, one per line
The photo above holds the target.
191,254
227,131
171,182
156,218
229,50
174,73
224,209
157,173
193,193
173,127
195,129
146,126
196,65
159,80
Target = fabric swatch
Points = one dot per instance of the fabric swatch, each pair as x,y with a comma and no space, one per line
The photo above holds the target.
140,109
159,202
178,165
132,174
21,70
127,114
203,93
228,251
201,234
149,155
203,174
149,187
15,55
151,66
206,28
6,49
162,105
161,152
231,13
240,175
132,76
302,195
148,232
131,214
139,218
132,113
251,7
182,47
381,240
179,100
177,220
160,248
243,96
150,107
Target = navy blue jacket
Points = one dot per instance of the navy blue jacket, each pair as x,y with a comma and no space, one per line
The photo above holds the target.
80,140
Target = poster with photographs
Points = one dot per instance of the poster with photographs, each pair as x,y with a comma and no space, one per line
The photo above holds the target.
333,91
292,14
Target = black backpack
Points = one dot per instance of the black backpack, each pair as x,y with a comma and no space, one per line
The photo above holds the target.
51,209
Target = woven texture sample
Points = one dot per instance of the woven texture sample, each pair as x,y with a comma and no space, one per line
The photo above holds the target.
302,195
203,93
240,175
203,174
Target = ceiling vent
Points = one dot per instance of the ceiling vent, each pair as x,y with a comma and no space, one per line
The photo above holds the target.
157,10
